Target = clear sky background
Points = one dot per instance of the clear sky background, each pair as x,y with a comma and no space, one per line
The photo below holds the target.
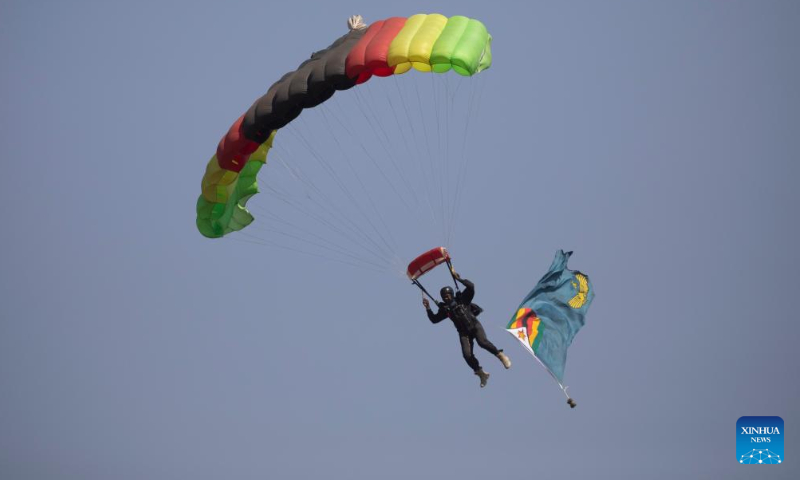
658,140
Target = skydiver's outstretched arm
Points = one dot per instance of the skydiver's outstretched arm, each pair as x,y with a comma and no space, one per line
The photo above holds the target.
469,290
434,317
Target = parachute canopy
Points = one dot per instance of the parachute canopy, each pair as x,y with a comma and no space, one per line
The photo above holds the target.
427,262
427,43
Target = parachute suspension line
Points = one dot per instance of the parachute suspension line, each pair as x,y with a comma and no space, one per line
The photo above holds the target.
353,187
425,179
343,187
372,159
357,177
333,246
316,244
419,157
451,165
363,105
350,164
458,86
376,122
415,158
447,116
346,191
458,157
438,122
391,244
458,163
441,162
461,176
342,218
325,208
285,198
474,108
261,241
462,169
377,164
458,168
424,124
438,159
430,156
441,94
330,244
332,113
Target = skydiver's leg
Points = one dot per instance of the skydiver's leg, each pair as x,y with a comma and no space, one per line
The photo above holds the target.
480,336
483,342
466,350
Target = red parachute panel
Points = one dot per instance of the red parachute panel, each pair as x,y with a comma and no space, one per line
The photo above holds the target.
355,64
377,52
234,149
427,262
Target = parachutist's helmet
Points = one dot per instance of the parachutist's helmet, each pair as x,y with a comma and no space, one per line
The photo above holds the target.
447,294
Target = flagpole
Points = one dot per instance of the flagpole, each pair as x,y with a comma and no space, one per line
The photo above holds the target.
570,401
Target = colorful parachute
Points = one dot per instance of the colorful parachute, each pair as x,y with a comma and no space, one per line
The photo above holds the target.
551,314
428,43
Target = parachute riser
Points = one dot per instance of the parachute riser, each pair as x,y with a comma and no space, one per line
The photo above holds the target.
416,282
450,267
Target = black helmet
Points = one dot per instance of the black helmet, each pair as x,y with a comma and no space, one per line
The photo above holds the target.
446,291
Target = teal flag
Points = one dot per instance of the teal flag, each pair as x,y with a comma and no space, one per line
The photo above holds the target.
551,314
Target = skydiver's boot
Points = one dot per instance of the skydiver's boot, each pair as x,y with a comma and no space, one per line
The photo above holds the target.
484,376
503,358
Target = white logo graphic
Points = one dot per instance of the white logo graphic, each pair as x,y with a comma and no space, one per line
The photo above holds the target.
760,456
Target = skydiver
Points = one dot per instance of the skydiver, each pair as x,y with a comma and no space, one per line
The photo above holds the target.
459,310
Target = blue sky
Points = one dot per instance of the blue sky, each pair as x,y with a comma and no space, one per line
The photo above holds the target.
658,140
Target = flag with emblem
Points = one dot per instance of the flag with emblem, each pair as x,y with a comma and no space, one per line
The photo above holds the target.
551,314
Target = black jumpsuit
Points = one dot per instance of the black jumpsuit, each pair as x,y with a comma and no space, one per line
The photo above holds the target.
467,324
